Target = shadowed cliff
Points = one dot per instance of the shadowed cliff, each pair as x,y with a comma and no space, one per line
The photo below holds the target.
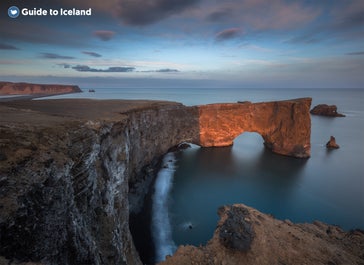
71,171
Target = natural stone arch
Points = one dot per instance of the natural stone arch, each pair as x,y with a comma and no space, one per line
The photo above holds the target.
284,125
249,140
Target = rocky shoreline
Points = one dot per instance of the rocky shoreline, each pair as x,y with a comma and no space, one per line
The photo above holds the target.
71,172
247,236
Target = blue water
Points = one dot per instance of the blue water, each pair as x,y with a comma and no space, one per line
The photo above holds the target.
329,186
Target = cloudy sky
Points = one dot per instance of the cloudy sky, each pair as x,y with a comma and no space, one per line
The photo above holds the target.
187,43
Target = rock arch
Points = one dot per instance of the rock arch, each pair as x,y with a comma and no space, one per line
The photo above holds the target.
284,125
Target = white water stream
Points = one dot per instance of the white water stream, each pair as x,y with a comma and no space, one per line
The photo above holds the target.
161,225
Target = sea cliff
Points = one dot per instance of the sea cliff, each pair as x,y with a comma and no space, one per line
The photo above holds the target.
65,176
71,172
9,88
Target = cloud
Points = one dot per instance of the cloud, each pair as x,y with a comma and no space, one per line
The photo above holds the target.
36,31
46,55
348,16
64,65
85,68
304,39
228,34
345,23
355,53
141,12
164,70
167,70
263,15
220,15
104,35
93,54
4,46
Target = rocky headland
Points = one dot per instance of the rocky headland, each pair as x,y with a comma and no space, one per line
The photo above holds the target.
247,236
72,171
326,110
9,88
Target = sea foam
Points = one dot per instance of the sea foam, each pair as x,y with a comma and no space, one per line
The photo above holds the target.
161,226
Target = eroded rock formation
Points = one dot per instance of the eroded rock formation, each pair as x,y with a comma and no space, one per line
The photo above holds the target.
9,88
71,171
326,110
331,144
284,125
267,241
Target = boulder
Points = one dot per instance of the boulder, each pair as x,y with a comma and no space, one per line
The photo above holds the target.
236,232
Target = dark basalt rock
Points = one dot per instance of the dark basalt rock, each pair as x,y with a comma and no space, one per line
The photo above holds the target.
326,110
236,232
179,147
183,146
3,156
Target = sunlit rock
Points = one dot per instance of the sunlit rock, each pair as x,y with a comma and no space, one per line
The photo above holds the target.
331,144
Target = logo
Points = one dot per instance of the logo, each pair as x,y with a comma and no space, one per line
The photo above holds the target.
13,12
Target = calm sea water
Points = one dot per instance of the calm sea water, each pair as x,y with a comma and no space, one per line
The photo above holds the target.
329,186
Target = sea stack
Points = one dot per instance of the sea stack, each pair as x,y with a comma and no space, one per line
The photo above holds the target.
326,110
331,144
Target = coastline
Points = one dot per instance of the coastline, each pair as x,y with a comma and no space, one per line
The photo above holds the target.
33,129
17,97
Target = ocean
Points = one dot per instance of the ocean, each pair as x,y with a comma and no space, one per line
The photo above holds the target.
329,186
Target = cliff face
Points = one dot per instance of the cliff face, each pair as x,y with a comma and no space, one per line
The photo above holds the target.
64,196
247,236
65,182
284,125
71,171
9,88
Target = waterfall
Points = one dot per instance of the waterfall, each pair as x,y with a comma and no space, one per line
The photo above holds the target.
161,226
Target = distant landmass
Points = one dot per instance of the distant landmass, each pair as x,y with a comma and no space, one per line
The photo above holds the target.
10,88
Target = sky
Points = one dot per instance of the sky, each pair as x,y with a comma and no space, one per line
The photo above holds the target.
186,43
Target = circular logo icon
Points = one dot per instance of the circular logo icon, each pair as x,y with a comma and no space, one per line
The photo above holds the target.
13,12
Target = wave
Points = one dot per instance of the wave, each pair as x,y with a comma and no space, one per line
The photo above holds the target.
161,226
